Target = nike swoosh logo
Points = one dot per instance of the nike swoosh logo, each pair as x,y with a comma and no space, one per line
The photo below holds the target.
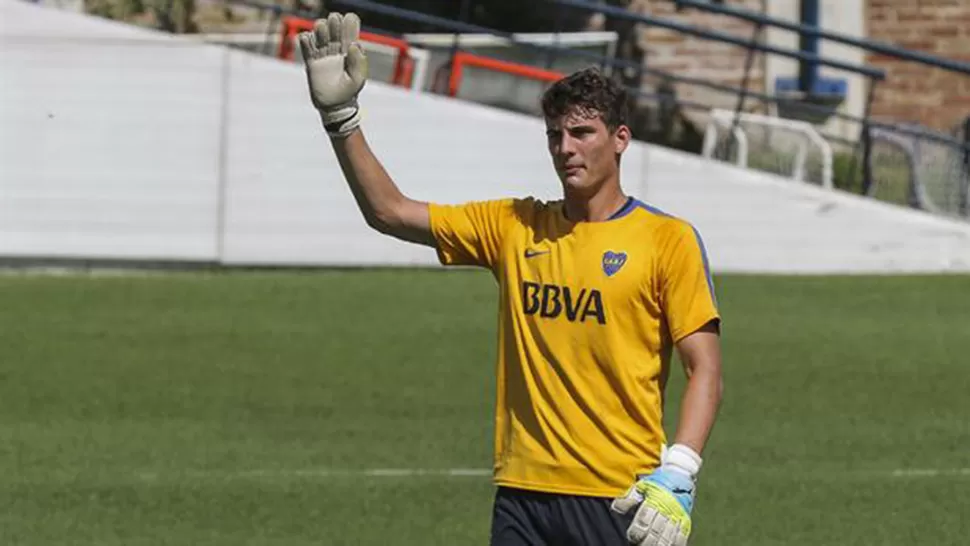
534,253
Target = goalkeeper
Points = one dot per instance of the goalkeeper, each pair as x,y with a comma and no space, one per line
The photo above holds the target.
597,290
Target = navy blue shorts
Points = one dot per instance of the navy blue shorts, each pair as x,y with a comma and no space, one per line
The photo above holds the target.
528,518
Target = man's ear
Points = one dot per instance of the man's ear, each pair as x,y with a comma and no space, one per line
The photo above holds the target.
621,138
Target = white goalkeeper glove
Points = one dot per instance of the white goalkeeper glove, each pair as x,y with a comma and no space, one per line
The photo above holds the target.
663,500
336,69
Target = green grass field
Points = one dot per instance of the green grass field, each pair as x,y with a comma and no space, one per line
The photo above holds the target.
252,408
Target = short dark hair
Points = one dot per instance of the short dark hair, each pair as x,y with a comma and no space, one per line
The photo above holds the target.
591,92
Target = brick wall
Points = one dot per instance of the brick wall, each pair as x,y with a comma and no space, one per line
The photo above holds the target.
700,58
914,92
690,56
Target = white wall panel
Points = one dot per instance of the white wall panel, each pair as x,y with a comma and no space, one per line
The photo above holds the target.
109,145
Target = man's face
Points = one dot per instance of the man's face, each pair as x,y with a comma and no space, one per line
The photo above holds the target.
584,152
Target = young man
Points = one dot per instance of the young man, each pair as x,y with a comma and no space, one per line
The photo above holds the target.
597,289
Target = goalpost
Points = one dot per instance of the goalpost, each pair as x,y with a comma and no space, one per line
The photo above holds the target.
927,173
790,148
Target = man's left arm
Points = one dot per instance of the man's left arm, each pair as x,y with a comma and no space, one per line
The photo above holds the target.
700,353
664,498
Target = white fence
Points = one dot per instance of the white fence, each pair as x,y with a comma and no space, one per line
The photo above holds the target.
121,144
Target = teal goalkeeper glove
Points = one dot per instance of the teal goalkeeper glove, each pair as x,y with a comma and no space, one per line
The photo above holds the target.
336,69
663,499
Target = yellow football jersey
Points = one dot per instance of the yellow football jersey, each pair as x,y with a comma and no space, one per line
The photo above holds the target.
589,314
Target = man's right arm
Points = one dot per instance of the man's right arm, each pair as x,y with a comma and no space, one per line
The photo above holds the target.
383,205
336,69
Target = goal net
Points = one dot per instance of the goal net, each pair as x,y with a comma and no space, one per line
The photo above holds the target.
789,148
920,167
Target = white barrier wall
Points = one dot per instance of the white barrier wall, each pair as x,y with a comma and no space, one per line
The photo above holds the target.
109,142
756,222
119,143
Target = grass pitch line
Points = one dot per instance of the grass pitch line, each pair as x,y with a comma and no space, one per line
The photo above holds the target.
375,472
326,473
930,472
407,472
323,473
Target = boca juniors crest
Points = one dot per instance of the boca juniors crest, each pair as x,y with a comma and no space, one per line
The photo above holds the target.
612,262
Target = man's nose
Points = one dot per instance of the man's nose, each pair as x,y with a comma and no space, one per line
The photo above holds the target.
566,145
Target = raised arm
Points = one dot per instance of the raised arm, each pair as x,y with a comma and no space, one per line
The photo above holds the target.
383,205
336,72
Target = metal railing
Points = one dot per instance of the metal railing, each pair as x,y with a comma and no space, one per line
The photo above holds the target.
461,26
863,145
868,45
717,36
457,26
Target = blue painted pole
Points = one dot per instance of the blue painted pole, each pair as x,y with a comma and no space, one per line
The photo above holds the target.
808,43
